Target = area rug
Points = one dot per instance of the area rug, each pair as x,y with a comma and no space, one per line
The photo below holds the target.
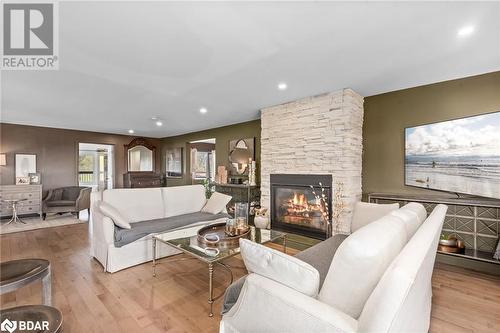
33,223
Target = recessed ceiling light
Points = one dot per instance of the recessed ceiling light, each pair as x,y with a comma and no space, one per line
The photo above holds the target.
203,110
159,123
282,86
466,31
131,131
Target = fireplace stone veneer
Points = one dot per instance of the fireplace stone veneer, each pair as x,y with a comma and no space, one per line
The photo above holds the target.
315,135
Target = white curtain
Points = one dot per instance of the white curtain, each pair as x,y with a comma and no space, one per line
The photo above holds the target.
193,161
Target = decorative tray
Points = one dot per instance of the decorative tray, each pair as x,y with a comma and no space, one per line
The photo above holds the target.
215,235
451,249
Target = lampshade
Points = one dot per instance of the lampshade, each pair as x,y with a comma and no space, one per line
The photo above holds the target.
3,160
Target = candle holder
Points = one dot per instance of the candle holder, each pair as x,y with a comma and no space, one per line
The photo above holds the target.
241,217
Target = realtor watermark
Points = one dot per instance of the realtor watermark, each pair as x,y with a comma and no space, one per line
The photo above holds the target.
24,325
30,38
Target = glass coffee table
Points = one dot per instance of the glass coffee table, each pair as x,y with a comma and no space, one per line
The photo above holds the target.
186,240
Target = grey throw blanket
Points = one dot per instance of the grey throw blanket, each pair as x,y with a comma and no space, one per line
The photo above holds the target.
144,228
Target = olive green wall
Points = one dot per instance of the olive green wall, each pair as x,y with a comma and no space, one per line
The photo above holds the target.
222,136
387,115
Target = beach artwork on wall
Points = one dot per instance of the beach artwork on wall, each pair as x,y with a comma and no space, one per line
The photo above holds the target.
459,156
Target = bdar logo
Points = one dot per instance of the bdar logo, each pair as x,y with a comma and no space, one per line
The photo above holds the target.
28,29
9,326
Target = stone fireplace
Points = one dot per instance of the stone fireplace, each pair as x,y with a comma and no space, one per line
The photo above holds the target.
296,207
318,135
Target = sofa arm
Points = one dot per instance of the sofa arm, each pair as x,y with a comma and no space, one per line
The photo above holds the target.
83,200
103,228
268,306
49,195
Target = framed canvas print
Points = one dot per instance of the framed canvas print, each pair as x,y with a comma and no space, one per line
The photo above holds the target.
25,164
174,163
22,180
35,178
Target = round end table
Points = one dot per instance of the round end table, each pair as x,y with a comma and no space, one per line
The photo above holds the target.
14,203
15,274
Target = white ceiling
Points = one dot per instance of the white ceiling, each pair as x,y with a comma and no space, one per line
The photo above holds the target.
122,63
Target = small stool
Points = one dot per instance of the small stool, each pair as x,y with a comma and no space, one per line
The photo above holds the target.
19,273
43,318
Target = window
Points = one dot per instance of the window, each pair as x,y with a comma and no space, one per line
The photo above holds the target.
86,167
203,164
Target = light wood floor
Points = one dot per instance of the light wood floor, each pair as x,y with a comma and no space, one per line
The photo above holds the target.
175,301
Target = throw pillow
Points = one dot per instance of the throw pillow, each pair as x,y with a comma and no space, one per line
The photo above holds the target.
280,267
113,213
365,213
216,203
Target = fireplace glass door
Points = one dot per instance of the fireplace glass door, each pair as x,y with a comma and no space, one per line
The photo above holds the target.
300,207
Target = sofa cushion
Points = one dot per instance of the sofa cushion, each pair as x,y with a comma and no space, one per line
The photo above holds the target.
412,214
360,262
179,200
280,267
61,203
320,255
365,213
137,204
113,213
217,203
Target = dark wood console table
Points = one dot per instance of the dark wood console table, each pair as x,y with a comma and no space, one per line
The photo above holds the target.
476,221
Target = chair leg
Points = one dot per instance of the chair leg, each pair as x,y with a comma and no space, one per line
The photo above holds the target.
77,215
47,290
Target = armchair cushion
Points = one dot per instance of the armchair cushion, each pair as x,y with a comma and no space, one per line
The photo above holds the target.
71,193
280,267
55,194
60,203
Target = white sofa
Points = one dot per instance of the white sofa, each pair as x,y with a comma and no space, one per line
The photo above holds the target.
139,205
379,281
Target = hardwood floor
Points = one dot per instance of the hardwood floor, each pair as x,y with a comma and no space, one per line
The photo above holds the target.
176,300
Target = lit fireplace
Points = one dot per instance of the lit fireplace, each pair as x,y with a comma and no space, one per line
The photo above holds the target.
295,204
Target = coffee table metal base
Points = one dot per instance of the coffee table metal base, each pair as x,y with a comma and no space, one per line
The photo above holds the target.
211,298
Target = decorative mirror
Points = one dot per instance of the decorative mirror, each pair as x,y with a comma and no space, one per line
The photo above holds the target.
240,152
140,156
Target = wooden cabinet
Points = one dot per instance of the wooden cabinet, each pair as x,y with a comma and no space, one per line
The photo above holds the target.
475,221
240,193
142,179
32,194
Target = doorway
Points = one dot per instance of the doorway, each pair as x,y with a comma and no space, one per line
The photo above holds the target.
95,166
202,160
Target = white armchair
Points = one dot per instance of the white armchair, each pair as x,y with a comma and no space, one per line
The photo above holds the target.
384,285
